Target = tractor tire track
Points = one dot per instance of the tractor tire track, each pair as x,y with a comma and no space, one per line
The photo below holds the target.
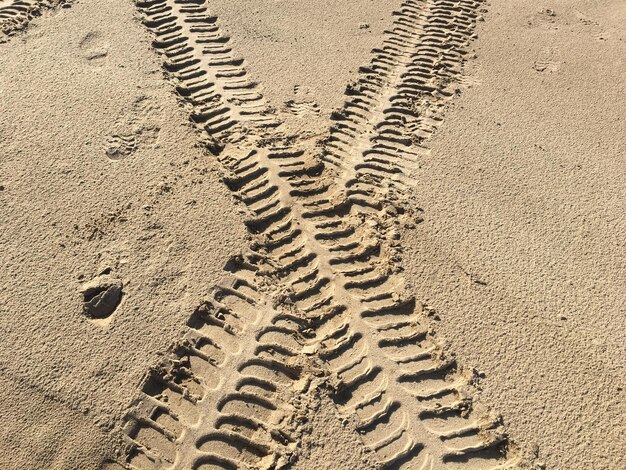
398,100
401,385
16,14
413,403
222,397
208,76
324,243
186,416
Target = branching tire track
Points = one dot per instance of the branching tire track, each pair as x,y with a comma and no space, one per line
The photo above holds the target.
324,234
390,371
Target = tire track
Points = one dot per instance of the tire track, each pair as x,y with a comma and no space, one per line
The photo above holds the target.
222,397
185,417
413,403
16,14
325,248
210,78
398,100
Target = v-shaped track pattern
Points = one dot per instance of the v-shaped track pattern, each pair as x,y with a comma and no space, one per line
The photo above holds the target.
319,291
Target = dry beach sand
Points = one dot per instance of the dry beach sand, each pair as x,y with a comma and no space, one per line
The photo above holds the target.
310,235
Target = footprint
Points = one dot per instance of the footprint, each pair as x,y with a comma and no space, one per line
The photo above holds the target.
93,47
545,18
547,61
120,146
137,128
303,104
302,108
468,81
101,296
593,27
603,36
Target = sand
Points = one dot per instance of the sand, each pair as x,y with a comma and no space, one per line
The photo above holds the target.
69,212
197,277
525,192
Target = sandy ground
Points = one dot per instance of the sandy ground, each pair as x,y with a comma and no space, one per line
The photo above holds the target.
520,252
68,211
522,248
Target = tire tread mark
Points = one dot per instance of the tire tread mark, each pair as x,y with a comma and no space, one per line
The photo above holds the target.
16,14
221,397
198,55
313,251
396,103
390,371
